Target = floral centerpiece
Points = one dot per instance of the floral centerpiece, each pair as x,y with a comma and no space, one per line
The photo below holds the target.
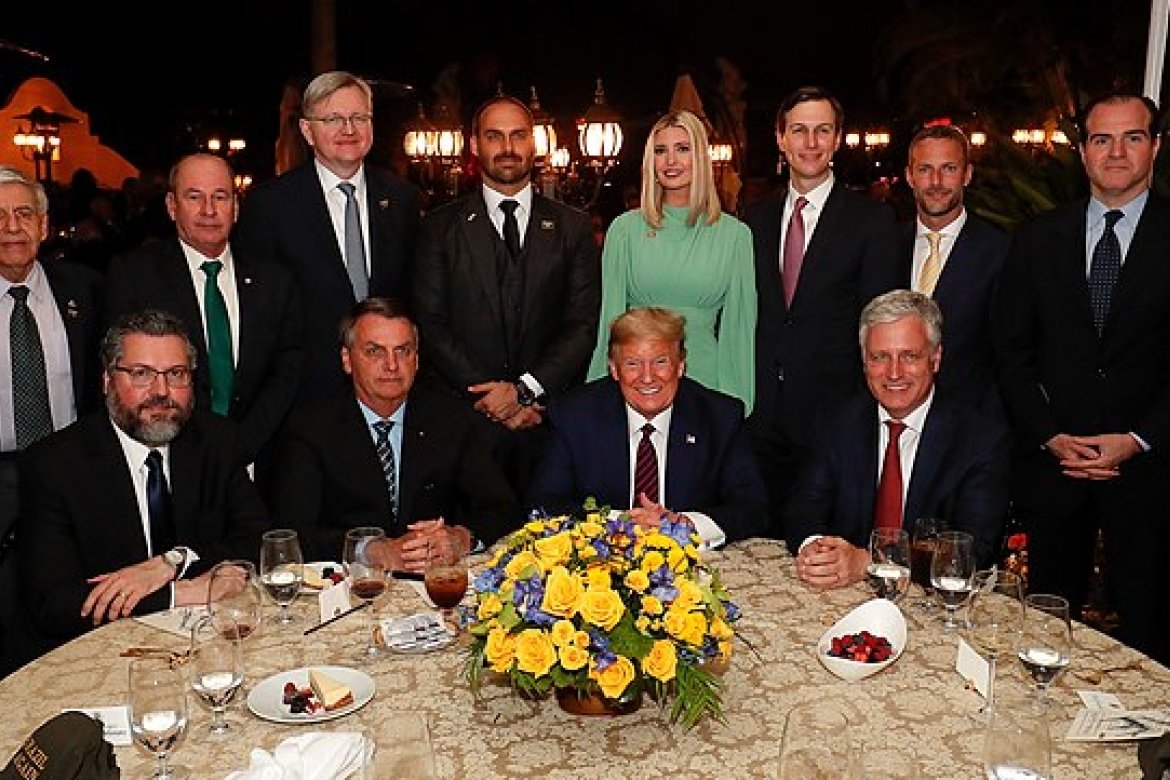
597,604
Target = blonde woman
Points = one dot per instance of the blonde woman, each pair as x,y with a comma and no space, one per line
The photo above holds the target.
680,251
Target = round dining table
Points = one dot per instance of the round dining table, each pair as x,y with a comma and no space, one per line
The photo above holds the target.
912,719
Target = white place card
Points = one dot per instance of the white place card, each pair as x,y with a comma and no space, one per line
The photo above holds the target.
972,668
177,620
115,723
1118,725
333,601
1100,700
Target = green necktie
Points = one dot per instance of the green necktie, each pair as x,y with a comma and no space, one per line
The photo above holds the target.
219,340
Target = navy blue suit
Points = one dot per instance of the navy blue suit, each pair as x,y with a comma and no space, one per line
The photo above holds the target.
964,294
286,220
710,467
961,474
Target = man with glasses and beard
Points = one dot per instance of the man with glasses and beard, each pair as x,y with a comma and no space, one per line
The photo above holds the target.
100,536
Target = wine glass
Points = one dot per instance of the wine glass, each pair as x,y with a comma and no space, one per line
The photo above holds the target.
157,705
281,569
995,619
217,669
951,567
1046,641
817,743
235,602
445,576
888,570
1016,743
367,577
923,535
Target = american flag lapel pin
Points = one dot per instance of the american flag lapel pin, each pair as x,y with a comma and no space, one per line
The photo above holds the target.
247,280
71,309
384,203
690,438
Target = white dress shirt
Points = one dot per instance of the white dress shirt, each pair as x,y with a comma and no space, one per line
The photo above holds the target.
811,214
949,235
226,280
335,200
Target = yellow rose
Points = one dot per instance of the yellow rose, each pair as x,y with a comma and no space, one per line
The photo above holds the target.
643,624
689,595
535,653
662,661
489,607
602,608
519,566
651,605
637,581
534,527
573,657
500,650
598,577
582,639
554,550
656,538
592,528
616,677
652,560
677,559
562,593
696,628
721,629
563,633
675,622
587,552
593,518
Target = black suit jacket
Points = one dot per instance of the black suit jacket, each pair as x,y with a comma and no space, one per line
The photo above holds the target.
329,477
79,293
80,517
808,355
964,294
286,220
710,466
1059,377
456,297
268,366
961,474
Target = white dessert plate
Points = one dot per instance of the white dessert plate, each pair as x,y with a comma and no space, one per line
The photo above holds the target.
266,700
879,617
419,633
318,567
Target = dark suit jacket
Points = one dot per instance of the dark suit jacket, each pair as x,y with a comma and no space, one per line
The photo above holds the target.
286,220
808,355
80,516
961,474
268,365
456,297
964,294
79,294
710,466
329,477
1059,377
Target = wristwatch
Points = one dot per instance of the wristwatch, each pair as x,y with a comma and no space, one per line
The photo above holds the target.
524,394
177,557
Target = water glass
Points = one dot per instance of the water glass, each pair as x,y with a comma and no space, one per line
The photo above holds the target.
1016,744
817,744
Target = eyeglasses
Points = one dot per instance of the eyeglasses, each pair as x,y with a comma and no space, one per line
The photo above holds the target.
337,121
144,376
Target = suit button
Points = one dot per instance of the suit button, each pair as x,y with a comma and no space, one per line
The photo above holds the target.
788,321
1101,373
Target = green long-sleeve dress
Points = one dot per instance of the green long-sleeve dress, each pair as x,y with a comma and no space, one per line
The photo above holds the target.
704,272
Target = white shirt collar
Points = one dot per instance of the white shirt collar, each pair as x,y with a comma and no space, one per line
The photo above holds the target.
916,419
950,230
635,420
492,198
816,197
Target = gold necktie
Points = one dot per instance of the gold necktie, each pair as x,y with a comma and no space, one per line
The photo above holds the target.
932,268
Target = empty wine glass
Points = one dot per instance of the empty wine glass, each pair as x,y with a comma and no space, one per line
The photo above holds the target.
995,618
1017,745
235,602
217,669
923,535
367,578
1046,641
445,576
951,567
817,743
888,570
281,569
157,706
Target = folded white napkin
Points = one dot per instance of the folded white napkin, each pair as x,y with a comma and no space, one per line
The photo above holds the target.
316,755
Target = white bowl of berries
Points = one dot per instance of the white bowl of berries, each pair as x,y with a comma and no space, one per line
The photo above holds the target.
865,641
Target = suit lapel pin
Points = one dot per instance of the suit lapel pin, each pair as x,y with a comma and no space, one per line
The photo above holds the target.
471,217
547,224
71,309
247,280
690,438
384,203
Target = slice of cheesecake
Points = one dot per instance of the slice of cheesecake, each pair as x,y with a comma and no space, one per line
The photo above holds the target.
331,693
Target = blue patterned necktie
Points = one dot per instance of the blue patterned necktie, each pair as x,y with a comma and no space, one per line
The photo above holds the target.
386,455
355,246
1105,270
219,340
30,385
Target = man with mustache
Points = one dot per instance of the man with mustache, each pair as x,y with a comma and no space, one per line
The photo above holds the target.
507,291
954,257
125,511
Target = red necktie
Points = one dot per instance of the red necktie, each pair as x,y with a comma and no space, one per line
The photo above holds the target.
889,493
793,250
646,468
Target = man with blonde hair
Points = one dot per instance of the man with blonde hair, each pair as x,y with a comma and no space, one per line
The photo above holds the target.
646,438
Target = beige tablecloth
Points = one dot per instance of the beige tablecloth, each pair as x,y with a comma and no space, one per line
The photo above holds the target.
914,711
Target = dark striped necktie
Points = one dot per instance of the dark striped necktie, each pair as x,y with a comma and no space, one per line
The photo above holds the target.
646,468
